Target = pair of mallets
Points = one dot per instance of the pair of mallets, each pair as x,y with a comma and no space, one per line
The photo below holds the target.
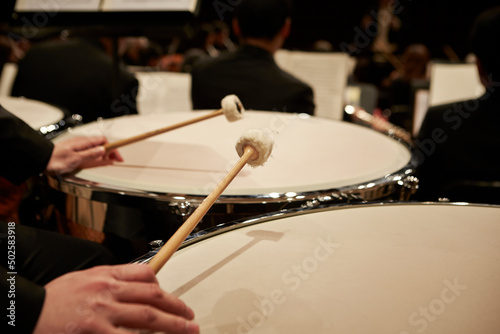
254,147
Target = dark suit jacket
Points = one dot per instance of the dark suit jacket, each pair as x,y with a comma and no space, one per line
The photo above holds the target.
40,255
77,76
24,153
252,74
459,142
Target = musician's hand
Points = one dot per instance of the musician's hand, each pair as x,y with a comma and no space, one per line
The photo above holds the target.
110,299
80,152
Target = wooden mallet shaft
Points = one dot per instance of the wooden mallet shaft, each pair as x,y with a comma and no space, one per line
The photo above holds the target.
187,227
122,142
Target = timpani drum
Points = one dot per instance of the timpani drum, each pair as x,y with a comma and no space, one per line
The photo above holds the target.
43,117
399,268
314,161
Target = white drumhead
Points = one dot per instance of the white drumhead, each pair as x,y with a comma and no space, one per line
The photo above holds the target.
309,154
408,268
35,113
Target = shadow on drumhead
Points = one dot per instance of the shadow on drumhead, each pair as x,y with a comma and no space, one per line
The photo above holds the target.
257,236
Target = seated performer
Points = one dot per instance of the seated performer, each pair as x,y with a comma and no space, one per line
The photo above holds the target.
53,283
251,72
77,76
457,142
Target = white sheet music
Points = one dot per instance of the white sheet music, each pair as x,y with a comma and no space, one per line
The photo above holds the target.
7,78
104,5
419,109
161,92
453,82
57,6
149,5
325,72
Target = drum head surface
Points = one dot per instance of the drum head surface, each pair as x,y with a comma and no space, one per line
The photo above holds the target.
35,113
360,269
309,154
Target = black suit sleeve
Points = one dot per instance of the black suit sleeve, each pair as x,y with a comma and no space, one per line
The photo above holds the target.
24,151
22,300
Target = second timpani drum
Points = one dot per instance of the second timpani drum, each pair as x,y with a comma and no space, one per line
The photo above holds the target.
314,160
346,269
43,117
36,114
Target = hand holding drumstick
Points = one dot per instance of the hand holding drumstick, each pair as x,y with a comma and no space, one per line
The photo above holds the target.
254,148
84,152
80,152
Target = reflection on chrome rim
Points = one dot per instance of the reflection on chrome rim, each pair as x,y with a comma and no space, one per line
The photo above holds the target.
233,225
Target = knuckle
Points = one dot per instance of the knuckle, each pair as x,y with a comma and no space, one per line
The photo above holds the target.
115,286
103,284
98,305
155,291
148,314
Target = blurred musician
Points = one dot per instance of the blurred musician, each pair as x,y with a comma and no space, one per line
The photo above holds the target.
251,72
458,142
78,76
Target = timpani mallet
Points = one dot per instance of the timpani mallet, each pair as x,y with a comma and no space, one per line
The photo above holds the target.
232,108
254,148
379,124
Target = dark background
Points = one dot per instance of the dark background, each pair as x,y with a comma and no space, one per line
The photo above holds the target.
434,23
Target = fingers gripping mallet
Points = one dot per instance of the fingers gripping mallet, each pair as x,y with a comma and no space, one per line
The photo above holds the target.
254,148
